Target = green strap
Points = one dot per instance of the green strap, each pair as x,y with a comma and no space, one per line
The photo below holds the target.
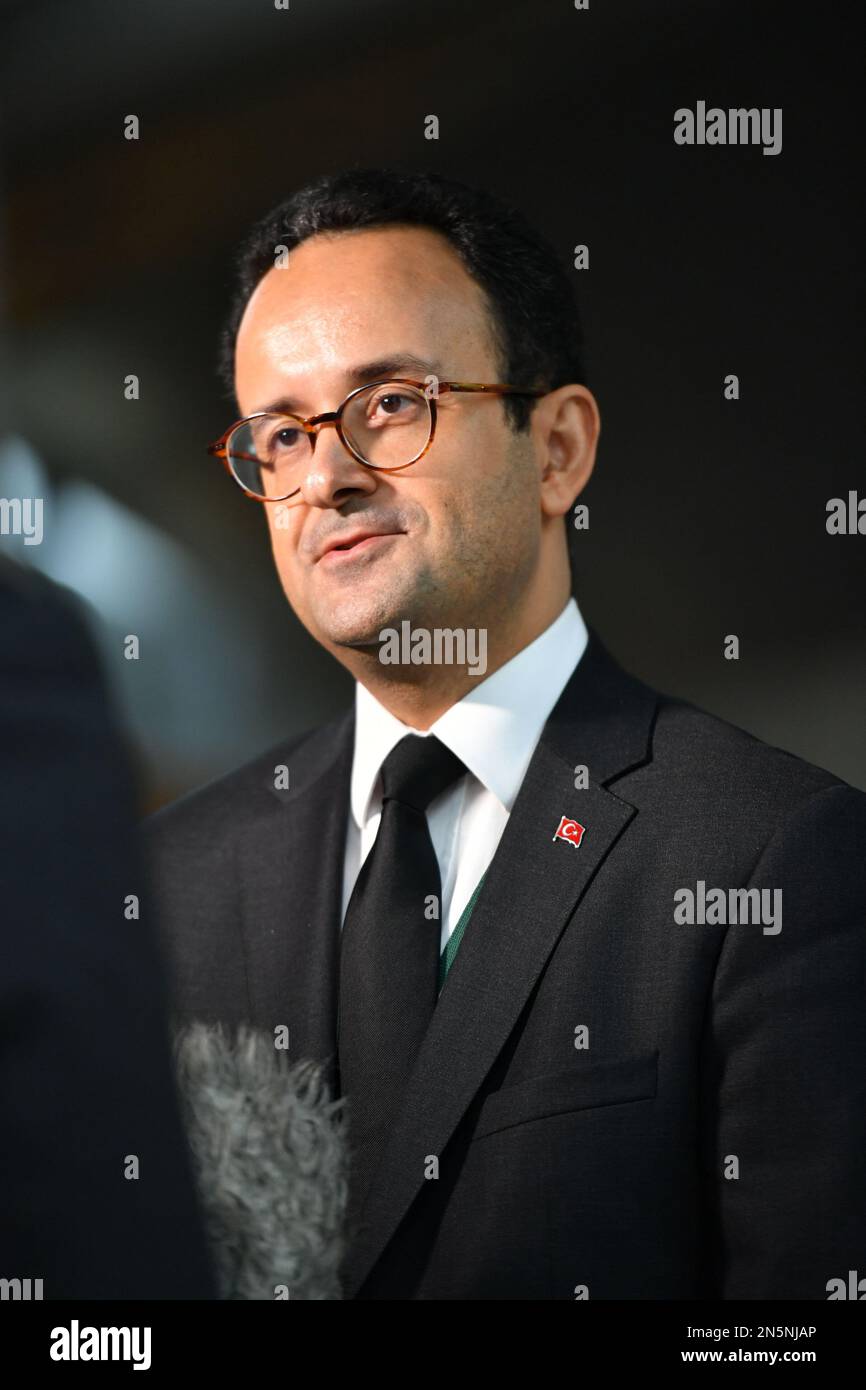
447,957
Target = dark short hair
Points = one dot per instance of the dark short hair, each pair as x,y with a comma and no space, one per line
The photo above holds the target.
533,310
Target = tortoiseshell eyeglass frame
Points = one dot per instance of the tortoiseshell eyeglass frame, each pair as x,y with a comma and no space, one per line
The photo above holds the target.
313,423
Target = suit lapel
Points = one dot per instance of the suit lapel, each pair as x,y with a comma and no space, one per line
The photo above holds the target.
533,885
290,869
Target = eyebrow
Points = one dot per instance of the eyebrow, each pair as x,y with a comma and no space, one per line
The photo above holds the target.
379,370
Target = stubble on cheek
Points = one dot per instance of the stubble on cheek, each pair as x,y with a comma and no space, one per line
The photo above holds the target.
496,542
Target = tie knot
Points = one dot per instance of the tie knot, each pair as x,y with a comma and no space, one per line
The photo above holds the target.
418,770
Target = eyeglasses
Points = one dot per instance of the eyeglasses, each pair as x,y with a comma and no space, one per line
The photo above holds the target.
386,425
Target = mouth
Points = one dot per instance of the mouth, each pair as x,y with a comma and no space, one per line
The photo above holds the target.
339,550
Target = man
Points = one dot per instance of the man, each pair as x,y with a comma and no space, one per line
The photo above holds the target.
643,1074
97,1198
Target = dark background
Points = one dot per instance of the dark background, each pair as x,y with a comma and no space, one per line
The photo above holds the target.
707,517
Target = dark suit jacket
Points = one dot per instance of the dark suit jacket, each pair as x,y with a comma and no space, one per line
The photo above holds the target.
86,1076
608,1169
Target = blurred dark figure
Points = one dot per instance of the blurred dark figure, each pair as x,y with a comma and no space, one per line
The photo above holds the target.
85,1062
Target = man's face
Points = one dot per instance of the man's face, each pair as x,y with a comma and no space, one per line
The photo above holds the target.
462,524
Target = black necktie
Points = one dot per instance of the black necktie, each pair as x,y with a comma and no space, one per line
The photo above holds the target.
389,951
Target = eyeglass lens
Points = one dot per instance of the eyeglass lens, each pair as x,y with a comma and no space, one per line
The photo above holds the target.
387,426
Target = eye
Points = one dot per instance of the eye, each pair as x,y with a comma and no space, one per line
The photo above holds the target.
287,437
393,405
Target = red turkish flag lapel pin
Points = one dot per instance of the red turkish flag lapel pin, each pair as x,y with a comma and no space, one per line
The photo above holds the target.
570,830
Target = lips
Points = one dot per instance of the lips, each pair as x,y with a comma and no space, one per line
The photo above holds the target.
348,541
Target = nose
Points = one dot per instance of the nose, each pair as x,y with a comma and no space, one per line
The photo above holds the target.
333,474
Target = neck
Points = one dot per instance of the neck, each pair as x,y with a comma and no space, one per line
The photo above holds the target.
418,695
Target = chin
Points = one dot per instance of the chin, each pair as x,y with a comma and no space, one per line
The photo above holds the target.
352,626
356,619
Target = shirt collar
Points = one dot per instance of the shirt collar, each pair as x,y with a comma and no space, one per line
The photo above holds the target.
494,728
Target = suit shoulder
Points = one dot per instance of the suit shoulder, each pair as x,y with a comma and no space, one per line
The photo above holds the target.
218,806
733,764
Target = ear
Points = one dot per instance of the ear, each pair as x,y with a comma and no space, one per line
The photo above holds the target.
566,424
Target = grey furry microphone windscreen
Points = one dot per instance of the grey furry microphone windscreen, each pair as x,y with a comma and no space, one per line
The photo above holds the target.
269,1159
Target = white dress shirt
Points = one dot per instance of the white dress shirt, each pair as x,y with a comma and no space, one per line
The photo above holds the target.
493,730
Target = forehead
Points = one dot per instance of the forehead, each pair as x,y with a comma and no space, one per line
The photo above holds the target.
353,296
